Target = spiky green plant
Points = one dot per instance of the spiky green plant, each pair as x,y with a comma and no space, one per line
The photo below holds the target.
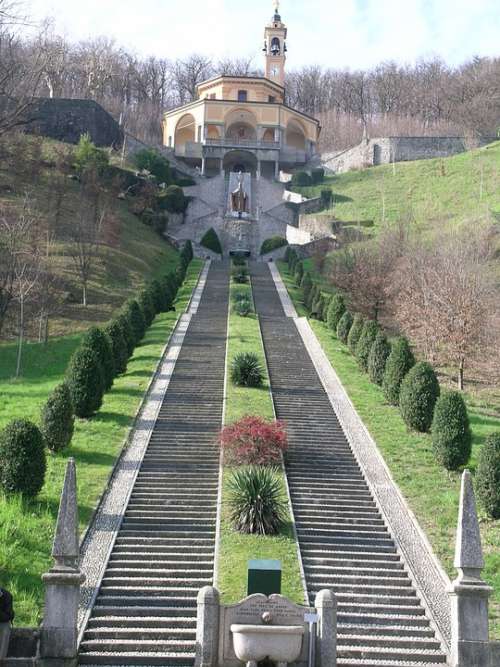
256,501
246,370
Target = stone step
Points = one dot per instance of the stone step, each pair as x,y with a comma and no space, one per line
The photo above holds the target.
137,659
108,610
390,640
417,656
385,630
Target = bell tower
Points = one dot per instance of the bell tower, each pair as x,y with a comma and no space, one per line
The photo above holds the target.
275,47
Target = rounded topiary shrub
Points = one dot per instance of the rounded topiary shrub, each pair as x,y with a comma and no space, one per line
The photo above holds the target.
118,345
418,396
292,260
98,341
256,502
246,370
355,332
344,327
187,254
22,458
211,241
306,286
399,362
318,175
302,179
85,381
57,421
134,313
123,320
377,359
365,342
451,434
272,243
488,476
299,273
173,200
147,306
335,311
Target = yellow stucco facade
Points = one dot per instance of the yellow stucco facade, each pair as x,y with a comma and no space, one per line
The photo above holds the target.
243,122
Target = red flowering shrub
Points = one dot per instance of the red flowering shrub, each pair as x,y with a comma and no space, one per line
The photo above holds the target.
254,441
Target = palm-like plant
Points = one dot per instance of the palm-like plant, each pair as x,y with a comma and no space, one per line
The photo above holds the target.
243,307
246,370
256,502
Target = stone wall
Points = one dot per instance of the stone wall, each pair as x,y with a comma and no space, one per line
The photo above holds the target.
384,150
66,120
318,226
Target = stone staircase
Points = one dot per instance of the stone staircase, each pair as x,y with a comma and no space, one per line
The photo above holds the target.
145,611
344,541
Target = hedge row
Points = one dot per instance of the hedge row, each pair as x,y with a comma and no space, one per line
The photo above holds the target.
102,356
411,386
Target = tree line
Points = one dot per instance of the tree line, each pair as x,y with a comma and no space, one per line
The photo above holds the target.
425,98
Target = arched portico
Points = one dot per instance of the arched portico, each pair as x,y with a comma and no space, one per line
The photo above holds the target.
185,131
295,135
240,161
240,125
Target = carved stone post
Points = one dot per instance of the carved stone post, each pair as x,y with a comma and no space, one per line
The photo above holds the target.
207,627
469,594
63,581
326,633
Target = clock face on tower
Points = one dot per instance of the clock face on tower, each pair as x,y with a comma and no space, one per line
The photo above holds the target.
275,71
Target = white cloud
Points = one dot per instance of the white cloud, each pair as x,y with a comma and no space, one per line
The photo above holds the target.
354,33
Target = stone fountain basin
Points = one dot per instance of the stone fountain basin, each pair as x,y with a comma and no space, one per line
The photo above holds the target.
281,643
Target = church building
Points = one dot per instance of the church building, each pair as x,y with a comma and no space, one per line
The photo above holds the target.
242,123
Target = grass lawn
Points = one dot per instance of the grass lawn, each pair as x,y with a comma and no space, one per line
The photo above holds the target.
431,491
26,529
235,549
461,188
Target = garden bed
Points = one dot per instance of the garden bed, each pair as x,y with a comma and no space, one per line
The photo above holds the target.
236,549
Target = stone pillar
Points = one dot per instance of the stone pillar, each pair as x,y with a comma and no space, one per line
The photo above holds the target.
207,627
63,581
277,170
203,166
222,167
469,593
258,169
326,633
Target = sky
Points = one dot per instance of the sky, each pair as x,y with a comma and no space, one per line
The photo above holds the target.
332,33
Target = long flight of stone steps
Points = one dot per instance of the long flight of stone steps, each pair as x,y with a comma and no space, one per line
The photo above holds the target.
344,541
145,611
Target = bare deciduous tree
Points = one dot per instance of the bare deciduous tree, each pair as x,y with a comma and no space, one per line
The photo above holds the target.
445,298
84,233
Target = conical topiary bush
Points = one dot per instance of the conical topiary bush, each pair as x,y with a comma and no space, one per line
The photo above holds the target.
355,332
365,342
451,434
399,362
377,359
418,396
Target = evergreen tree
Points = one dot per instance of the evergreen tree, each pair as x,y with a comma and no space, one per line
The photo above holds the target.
418,396
344,327
335,311
451,434
299,273
488,476
22,459
58,419
400,361
355,332
377,358
365,342
85,381
98,341
306,286
118,345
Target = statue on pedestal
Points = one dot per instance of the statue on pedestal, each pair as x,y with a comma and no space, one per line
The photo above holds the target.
239,198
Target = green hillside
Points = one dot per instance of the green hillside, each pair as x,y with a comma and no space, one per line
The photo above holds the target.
459,189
